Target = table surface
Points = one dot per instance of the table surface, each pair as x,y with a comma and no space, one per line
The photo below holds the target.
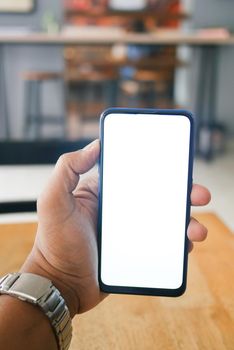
203,318
23,183
111,37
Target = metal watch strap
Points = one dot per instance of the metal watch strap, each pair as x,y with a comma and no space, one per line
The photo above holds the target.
40,291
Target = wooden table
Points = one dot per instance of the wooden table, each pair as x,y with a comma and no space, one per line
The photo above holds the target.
201,319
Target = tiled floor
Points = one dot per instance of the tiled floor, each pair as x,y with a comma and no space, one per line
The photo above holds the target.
218,176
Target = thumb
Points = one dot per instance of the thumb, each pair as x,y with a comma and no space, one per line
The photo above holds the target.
69,167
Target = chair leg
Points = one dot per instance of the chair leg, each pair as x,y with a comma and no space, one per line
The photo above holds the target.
31,109
38,118
64,90
151,95
27,108
111,92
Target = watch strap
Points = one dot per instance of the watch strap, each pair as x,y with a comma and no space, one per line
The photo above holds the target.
40,291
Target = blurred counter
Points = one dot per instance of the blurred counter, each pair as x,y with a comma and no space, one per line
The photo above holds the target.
86,36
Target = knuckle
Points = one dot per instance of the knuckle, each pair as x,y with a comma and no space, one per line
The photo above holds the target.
63,159
67,158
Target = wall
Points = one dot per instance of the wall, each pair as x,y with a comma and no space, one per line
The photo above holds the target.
33,20
210,13
218,13
19,58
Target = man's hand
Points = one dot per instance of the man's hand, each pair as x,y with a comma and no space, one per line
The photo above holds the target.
65,248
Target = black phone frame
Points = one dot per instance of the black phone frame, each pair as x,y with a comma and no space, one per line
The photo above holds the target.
141,290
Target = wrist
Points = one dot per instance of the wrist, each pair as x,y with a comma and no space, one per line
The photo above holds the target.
37,264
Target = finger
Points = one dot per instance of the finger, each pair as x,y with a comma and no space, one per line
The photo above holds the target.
70,165
200,195
196,231
190,247
88,184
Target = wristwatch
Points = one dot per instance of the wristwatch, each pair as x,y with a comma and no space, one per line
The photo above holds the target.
40,291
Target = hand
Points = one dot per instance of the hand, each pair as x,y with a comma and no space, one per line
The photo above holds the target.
65,248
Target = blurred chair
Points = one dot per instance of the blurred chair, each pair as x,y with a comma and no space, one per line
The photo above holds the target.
95,91
147,89
34,81
92,78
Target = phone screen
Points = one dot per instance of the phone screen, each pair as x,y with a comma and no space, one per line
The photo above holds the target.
144,199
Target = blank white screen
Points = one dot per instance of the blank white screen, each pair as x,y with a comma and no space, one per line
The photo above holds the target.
145,174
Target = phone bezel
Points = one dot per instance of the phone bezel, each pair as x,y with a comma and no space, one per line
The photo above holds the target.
140,290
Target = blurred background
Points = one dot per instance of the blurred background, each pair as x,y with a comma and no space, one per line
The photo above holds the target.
63,62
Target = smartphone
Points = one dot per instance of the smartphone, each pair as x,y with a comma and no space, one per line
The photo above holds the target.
145,183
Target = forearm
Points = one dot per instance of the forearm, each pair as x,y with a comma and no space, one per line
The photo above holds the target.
24,326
